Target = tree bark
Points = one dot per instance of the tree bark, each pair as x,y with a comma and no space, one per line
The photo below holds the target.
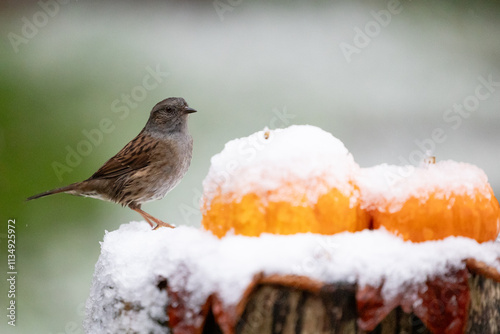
484,309
276,309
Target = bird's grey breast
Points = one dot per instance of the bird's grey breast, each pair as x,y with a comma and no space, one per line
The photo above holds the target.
175,156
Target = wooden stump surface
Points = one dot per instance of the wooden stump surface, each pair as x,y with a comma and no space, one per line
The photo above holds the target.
275,309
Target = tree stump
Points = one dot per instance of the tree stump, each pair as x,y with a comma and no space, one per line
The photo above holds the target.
183,281
272,308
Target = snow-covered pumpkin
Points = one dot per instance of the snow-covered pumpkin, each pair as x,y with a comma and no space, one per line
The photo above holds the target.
284,181
431,202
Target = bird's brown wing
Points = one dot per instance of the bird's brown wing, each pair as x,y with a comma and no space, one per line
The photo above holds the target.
135,155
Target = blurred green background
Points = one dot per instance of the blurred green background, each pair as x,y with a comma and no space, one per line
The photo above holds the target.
243,65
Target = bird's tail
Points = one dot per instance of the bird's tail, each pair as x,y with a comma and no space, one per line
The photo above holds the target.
53,191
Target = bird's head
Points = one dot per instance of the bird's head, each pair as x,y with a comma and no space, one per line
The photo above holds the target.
169,115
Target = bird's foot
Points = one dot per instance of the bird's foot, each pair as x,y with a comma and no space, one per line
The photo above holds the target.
152,220
159,224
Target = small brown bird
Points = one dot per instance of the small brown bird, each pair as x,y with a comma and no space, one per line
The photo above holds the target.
148,167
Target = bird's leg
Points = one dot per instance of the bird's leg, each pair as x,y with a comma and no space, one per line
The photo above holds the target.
146,218
149,218
158,222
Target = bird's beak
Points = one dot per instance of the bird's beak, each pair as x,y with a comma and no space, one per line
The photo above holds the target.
189,110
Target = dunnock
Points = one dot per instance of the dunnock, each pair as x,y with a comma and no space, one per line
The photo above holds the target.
148,167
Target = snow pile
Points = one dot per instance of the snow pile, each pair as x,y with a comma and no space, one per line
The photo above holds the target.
125,296
303,157
388,184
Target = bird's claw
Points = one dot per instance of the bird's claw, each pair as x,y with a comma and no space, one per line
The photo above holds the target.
158,225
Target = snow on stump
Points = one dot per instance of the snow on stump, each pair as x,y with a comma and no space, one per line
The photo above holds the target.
288,245
189,281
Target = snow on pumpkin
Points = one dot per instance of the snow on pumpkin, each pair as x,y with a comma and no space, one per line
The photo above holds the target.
284,181
431,202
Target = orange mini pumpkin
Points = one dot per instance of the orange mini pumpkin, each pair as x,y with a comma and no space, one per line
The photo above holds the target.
284,181
431,202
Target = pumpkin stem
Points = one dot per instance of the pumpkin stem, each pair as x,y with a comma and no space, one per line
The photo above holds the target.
430,160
